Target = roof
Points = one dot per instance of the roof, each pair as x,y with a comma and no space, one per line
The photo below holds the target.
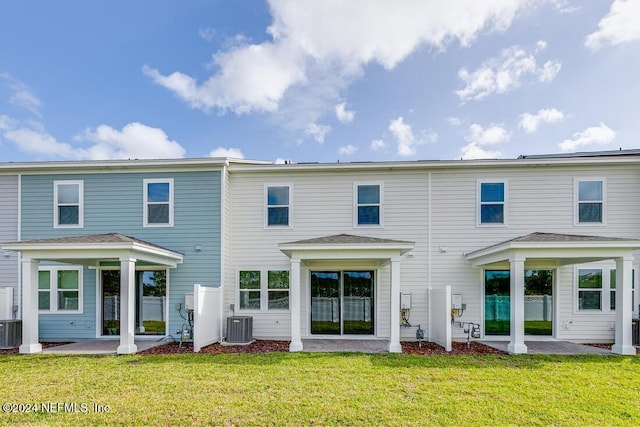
89,238
345,239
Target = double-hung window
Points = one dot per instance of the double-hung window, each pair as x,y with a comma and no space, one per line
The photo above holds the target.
68,206
158,202
278,205
596,287
492,203
590,289
262,289
60,289
590,201
368,206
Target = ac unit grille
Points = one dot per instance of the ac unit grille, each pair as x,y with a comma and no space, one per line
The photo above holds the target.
239,329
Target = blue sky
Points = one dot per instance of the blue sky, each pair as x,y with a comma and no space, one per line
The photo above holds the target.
324,80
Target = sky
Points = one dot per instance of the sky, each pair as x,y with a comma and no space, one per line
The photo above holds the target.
317,80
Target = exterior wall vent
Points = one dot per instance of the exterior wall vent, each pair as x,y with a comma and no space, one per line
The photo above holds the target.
239,329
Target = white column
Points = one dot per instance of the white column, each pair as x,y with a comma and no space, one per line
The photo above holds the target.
30,341
516,290
623,344
127,306
294,301
394,341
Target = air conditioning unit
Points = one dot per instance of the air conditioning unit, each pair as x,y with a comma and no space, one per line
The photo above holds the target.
239,329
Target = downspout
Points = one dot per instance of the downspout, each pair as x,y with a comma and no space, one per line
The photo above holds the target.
429,252
19,301
223,239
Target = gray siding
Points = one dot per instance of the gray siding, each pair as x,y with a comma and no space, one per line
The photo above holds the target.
114,203
9,232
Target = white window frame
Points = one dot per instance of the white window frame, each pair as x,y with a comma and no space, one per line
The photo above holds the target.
53,288
605,296
264,291
145,202
56,205
504,203
576,202
266,206
380,204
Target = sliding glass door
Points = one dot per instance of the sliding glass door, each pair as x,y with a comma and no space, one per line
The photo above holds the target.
342,302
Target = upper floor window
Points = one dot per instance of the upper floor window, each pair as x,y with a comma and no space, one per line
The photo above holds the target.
277,205
158,202
368,204
590,203
68,209
60,289
492,202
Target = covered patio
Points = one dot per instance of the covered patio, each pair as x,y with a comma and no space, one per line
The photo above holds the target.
562,249
346,247
89,250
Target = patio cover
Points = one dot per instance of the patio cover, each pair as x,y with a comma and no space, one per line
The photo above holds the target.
564,249
88,250
346,247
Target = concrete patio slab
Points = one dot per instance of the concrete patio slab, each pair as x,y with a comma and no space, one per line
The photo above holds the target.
352,346
98,346
550,347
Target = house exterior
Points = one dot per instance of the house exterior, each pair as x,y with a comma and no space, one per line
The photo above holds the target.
540,247
9,231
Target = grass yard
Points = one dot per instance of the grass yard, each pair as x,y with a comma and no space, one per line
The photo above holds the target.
325,389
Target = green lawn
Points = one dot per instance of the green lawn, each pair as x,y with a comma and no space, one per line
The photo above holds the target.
322,389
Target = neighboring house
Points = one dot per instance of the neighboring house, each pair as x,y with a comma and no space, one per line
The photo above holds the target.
84,224
539,245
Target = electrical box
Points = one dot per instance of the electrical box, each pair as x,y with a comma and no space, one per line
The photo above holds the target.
405,301
188,301
456,301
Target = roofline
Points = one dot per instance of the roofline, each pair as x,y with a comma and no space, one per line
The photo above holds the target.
506,246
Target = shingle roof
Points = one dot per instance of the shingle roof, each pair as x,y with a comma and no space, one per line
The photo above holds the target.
554,237
345,239
90,238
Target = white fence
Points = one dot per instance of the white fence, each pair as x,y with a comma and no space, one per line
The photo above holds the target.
153,308
326,309
536,307
207,316
440,316
6,303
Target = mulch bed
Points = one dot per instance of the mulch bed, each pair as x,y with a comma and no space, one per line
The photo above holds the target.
429,348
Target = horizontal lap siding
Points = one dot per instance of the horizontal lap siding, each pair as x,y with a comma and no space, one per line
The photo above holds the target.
322,205
9,232
113,203
540,199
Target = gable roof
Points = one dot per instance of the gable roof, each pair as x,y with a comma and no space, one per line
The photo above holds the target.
346,239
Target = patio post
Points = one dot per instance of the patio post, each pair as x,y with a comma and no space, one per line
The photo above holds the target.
623,343
30,341
294,301
127,306
394,342
517,345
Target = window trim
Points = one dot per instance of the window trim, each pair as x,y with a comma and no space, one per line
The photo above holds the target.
380,204
576,202
56,205
479,203
265,208
54,289
145,202
264,291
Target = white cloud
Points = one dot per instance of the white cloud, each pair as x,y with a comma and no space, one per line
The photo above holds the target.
530,122
595,135
134,141
234,153
621,25
505,73
40,143
490,136
343,115
317,132
404,137
377,145
337,38
347,150
454,121
22,95
473,151
207,34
